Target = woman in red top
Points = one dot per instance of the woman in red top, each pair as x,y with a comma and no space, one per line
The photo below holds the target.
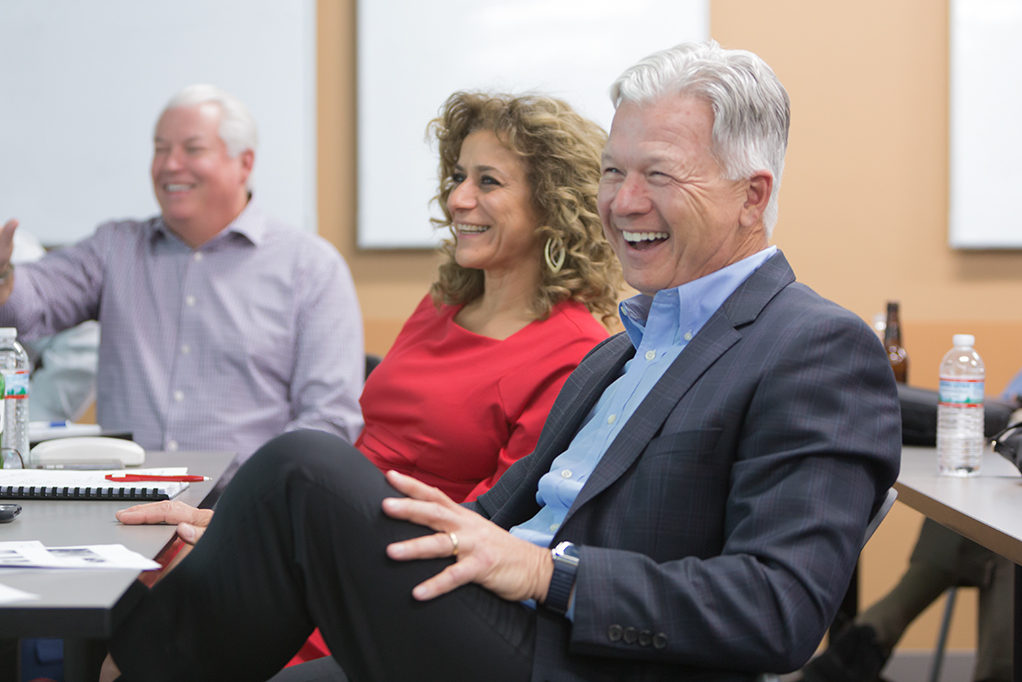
467,385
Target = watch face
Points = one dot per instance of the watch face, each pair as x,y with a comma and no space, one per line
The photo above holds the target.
567,550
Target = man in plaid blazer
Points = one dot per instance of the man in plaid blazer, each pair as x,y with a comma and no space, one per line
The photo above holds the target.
695,504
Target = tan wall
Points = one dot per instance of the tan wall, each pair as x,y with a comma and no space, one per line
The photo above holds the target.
863,206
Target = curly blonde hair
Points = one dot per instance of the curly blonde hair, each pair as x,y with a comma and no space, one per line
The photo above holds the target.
561,152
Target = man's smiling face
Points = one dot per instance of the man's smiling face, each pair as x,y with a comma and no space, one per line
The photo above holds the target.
667,209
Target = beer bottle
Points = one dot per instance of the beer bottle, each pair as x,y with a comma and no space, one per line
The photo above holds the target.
896,353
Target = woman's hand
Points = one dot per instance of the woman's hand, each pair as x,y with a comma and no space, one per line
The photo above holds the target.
485,553
191,522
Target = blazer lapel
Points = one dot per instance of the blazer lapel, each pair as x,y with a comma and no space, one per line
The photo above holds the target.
587,383
584,386
720,333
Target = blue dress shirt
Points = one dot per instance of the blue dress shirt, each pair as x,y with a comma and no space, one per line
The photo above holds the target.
659,327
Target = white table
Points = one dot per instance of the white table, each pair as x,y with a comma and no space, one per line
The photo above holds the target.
986,508
85,605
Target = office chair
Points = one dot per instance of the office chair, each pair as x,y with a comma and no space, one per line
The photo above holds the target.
371,362
871,527
878,515
850,604
945,626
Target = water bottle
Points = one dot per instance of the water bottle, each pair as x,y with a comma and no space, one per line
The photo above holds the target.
15,366
960,439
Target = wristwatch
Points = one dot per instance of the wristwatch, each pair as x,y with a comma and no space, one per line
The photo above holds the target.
558,595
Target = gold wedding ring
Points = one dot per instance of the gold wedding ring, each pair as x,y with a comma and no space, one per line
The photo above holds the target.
454,543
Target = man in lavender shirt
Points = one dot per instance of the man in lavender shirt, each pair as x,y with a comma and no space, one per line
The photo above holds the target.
222,327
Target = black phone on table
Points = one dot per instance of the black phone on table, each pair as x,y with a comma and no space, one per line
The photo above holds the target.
8,512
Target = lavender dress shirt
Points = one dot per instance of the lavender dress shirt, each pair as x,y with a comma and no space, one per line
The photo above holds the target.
221,347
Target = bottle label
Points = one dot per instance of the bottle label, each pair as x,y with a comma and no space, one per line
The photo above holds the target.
16,384
961,392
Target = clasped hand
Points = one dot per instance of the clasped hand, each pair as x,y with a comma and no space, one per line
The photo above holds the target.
487,554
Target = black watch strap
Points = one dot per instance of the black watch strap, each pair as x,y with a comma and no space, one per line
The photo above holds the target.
558,596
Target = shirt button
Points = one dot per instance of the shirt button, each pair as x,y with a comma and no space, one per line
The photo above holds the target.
172,445
554,527
189,300
687,336
565,473
650,354
179,396
614,633
611,419
185,349
197,257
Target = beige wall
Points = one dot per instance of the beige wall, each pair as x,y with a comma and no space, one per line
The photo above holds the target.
863,204
389,283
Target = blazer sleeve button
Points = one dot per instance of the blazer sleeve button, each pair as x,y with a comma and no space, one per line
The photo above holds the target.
614,633
645,637
659,640
631,634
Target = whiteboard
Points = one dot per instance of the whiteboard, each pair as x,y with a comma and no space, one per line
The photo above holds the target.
82,84
413,54
986,136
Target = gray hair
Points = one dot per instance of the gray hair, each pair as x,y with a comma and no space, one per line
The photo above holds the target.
237,127
751,110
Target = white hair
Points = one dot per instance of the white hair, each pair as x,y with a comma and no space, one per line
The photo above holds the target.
237,127
751,110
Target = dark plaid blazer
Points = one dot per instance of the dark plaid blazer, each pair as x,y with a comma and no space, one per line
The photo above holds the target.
719,531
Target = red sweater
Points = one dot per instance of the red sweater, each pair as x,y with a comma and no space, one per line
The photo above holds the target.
455,409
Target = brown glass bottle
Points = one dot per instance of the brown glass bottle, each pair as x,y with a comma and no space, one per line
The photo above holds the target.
896,353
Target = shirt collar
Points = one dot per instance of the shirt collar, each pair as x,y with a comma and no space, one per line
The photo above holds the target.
693,303
249,224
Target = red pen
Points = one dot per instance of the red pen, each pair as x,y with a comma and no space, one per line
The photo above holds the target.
136,478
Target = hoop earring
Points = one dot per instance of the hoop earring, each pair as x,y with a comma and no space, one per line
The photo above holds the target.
554,254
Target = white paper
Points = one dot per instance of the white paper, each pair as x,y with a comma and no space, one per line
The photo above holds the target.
32,554
75,478
94,478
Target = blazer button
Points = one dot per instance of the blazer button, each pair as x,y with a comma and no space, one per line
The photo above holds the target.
659,640
614,633
645,637
631,634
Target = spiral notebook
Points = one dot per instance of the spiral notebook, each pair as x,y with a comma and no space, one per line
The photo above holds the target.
42,484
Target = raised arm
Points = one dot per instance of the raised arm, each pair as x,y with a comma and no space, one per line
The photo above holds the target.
6,269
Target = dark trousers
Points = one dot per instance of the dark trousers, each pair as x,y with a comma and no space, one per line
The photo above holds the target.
298,540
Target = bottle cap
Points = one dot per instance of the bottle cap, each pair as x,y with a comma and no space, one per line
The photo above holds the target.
8,332
958,340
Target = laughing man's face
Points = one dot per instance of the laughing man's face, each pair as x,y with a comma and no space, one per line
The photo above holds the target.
667,209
